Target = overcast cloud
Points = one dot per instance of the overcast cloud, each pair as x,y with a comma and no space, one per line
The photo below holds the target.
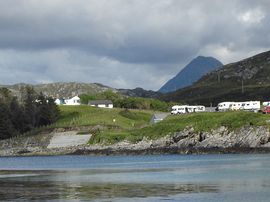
124,43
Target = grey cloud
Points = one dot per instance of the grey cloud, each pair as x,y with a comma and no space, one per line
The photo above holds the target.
124,42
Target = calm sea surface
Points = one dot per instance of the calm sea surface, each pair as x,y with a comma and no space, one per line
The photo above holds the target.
136,178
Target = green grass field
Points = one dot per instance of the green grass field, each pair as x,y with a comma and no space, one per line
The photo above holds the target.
73,116
133,125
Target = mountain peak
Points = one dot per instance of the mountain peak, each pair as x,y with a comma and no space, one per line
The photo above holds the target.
198,67
247,79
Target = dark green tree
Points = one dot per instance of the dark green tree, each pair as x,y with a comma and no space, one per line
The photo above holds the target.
17,116
30,108
6,127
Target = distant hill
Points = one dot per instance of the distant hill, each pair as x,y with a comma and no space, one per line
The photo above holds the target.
69,89
139,92
248,79
191,73
62,89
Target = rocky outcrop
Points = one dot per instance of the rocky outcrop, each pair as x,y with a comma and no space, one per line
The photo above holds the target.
244,140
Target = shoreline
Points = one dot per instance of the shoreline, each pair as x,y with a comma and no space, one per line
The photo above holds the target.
246,140
142,152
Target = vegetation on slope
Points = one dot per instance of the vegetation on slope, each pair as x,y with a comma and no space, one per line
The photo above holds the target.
133,125
121,101
200,122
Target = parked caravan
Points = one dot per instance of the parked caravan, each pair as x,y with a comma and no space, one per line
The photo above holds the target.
267,103
179,109
183,109
224,106
198,108
236,106
251,106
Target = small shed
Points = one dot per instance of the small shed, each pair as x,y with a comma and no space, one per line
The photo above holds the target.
158,117
101,103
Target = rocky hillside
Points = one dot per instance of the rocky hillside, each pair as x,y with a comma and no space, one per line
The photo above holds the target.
69,89
191,73
248,79
62,89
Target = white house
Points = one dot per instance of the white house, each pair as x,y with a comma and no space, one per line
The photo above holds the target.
73,101
101,103
59,101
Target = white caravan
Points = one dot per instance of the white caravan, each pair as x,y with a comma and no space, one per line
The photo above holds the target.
251,106
179,109
224,106
236,106
267,103
198,108
183,109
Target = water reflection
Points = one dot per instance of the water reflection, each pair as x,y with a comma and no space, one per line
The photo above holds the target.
143,178
42,187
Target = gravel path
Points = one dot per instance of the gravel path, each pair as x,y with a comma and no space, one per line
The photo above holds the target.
68,139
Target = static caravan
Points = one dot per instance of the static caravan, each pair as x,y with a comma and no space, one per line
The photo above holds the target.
251,106
198,108
224,106
183,109
236,106
265,104
179,109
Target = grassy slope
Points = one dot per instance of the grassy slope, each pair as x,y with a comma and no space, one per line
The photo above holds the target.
133,125
86,116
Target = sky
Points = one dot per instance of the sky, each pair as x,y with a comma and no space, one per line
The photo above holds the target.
124,43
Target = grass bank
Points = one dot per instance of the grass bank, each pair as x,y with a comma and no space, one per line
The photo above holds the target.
133,125
83,115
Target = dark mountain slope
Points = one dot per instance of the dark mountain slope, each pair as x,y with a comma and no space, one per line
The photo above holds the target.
248,79
191,73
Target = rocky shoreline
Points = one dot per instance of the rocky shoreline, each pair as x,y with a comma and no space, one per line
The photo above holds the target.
249,139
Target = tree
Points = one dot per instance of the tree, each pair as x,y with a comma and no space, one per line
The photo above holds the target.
47,111
6,127
30,109
17,116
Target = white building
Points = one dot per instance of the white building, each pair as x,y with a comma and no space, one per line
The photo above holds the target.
59,101
101,103
73,101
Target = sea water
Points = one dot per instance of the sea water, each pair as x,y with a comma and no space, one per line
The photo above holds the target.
136,178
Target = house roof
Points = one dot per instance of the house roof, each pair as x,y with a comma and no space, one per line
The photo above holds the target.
160,116
100,102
